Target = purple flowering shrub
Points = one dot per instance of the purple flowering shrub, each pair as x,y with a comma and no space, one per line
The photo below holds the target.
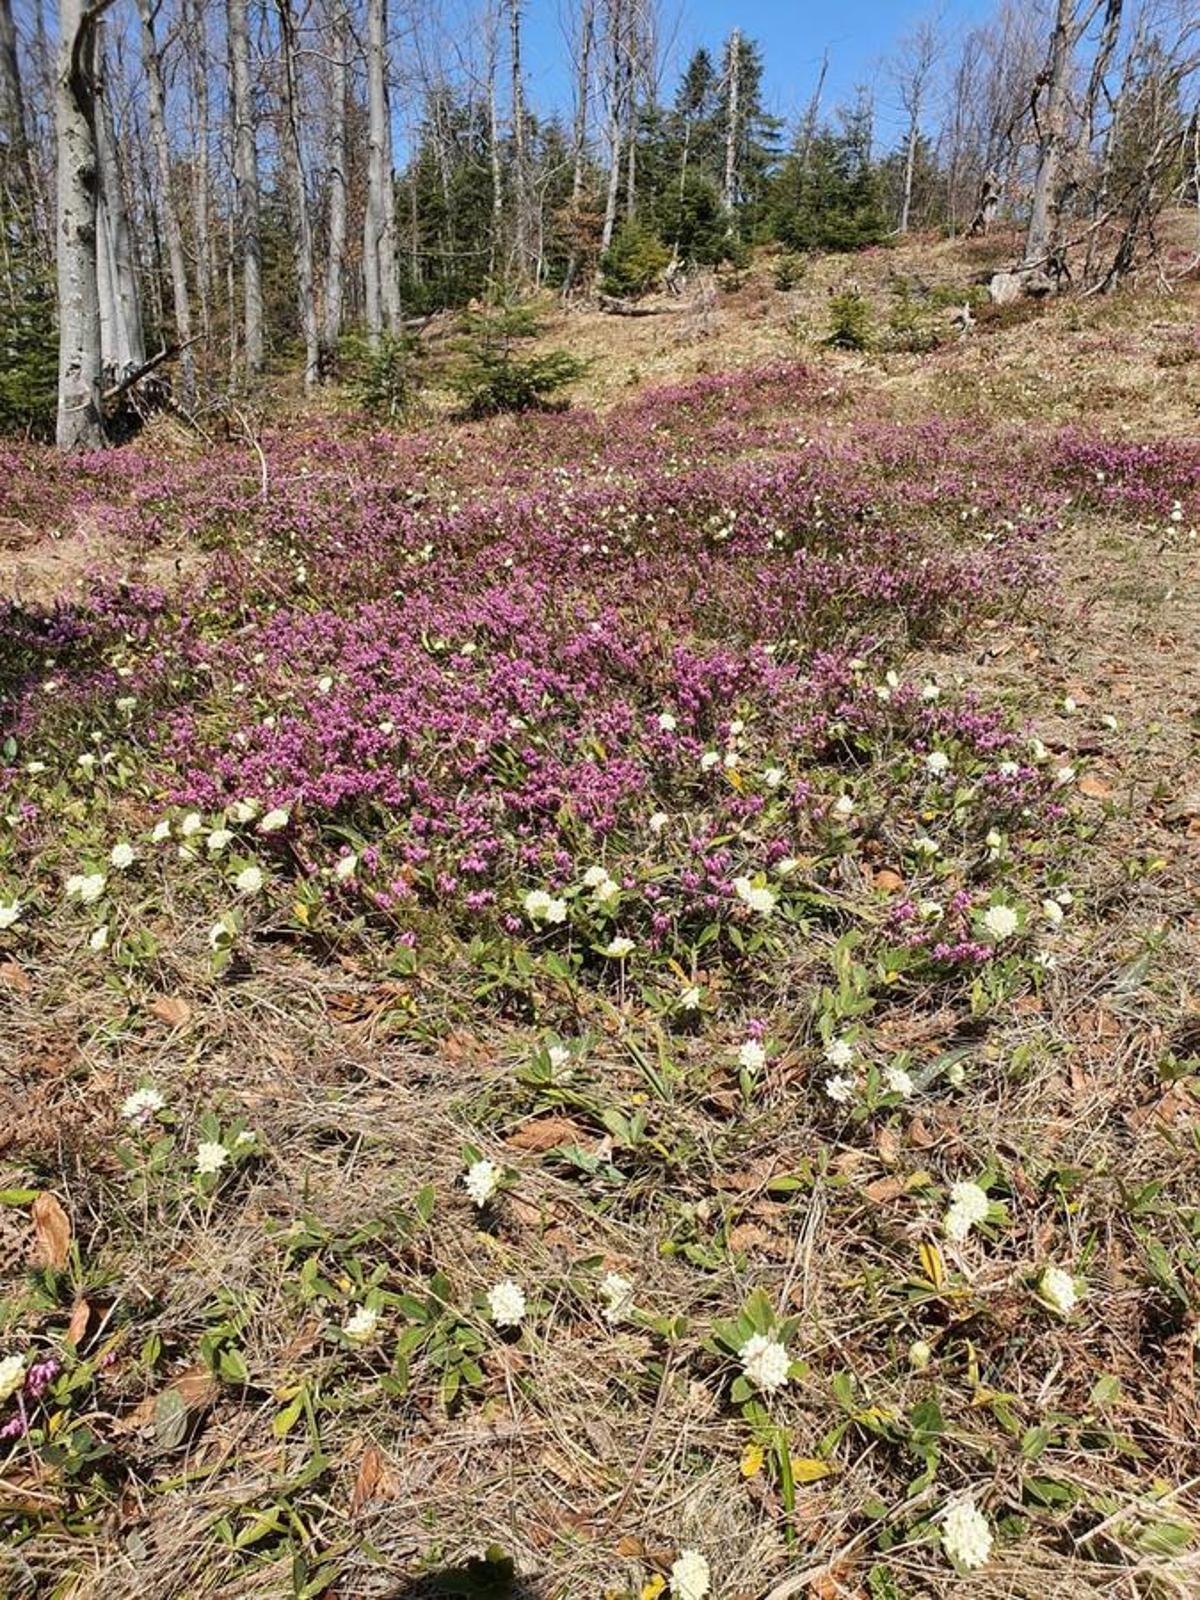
482,661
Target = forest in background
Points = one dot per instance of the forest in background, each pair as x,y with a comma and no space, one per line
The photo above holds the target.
270,180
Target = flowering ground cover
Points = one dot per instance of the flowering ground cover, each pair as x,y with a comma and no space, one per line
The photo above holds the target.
546,1013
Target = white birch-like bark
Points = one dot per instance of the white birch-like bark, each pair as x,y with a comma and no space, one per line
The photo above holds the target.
380,271
733,132
338,185
168,210
245,158
80,424
302,239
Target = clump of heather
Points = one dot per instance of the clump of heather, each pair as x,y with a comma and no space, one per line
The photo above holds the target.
644,669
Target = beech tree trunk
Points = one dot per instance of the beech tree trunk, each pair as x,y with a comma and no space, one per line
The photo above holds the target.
617,78
379,224
245,161
338,186
171,226
522,222
733,132
497,241
12,100
1051,118
80,424
198,64
302,239
122,344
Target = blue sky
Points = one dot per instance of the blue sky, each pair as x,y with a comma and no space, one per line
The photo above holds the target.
793,34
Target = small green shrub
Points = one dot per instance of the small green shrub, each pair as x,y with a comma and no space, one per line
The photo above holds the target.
389,375
494,378
789,271
849,321
634,262
28,336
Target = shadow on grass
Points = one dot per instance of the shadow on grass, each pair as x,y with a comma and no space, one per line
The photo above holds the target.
490,1578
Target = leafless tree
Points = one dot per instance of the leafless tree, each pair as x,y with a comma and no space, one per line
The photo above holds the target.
80,409
913,71
168,210
245,157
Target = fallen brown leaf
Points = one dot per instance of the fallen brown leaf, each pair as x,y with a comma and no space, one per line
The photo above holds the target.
52,1228
375,1480
15,977
172,1010
884,1189
888,881
1094,787
80,1317
544,1133
194,1390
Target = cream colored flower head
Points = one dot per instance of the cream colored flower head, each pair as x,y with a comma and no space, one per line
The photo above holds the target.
482,1179
765,1362
210,1157
691,1577
966,1536
361,1326
617,1294
12,1376
507,1304
969,1205
1059,1290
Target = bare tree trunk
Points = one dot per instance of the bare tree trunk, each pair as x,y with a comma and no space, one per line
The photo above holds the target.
198,67
122,343
917,59
245,159
587,28
302,239
733,132
1051,124
80,424
910,162
156,106
616,25
812,115
497,241
340,45
379,224
521,217
12,100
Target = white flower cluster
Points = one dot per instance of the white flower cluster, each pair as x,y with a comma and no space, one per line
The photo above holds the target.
506,1302
12,1375
690,1576
482,1179
210,1158
765,1362
360,1327
966,1537
605,889
1001,922
751,1056
543,907
617,1293
969,1205
759,899
141,1106
86,887
1059,1290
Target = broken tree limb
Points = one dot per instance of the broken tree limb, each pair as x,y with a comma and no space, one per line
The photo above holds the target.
630,308
147,367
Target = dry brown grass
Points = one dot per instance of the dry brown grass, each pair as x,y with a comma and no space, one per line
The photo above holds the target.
591,1456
